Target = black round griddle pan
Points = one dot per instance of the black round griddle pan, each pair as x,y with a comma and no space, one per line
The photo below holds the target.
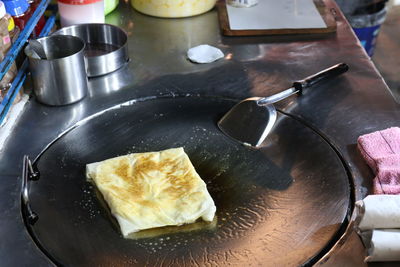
281,205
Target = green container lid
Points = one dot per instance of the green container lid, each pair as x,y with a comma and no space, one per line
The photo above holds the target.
110,5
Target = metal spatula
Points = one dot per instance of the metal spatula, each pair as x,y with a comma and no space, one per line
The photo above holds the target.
250,121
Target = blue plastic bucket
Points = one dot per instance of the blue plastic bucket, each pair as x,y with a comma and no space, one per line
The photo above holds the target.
366,27
367,37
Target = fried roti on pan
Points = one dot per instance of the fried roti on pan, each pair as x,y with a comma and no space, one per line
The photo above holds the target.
153,189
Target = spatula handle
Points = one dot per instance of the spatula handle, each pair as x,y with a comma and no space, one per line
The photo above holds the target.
298,86
325,74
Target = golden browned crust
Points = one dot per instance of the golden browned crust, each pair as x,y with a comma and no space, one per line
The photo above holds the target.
153,189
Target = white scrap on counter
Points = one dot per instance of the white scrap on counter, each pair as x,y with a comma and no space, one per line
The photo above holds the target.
204,54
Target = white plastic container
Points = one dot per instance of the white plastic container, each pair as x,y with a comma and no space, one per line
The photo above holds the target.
80,11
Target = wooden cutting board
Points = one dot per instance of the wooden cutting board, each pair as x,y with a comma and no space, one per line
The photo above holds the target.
326,14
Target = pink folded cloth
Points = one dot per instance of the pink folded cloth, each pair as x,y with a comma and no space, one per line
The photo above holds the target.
381,150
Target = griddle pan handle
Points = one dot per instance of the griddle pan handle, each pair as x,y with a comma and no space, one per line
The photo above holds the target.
28,174
326,74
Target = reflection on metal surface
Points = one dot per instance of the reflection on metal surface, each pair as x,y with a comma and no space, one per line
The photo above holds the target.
246,52
229,56
75,113
107,84
153,55
270,205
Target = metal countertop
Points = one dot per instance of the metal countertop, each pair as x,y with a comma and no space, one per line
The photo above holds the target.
343,109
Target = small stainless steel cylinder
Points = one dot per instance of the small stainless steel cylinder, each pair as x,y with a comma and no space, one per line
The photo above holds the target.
61,78
106,46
